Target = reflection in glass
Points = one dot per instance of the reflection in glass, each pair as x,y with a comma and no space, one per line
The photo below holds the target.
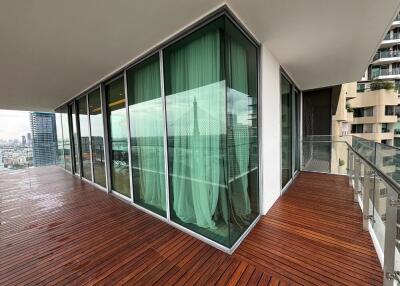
286,101
242,137
147,126
60,145
66,138
195,102
96,126
85,142
118,137
75,139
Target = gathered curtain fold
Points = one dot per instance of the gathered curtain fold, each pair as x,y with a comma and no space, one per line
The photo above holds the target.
196,120
146,121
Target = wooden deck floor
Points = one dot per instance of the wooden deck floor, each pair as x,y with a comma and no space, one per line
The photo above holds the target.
58,230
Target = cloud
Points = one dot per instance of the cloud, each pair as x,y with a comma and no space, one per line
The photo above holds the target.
14,124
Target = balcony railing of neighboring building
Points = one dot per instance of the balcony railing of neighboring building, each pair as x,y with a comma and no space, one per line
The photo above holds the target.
373,170
386,72
387,54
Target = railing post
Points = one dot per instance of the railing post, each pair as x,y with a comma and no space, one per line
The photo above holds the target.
365,197
357,171
392,206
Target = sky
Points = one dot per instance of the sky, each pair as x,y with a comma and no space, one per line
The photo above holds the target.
14,124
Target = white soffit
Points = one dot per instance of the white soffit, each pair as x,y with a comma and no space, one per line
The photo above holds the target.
51,50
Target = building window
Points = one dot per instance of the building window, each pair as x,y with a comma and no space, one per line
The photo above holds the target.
357,128
147,135
212,131
118,139
84,138
385,128
97,137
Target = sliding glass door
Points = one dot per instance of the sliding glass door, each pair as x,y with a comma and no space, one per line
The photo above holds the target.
286,110
60,143
97,137
147,135
290,124
84,138
66,138
118,139
75,139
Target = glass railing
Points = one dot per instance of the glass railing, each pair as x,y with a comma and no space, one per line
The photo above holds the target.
385,72
374,173
387,54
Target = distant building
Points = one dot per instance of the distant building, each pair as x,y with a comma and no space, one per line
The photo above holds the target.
29,138
44,139
23,140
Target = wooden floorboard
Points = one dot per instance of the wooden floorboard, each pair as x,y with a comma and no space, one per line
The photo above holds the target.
58,230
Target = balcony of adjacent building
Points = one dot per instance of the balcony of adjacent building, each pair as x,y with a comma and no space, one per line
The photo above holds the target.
386,56
386,74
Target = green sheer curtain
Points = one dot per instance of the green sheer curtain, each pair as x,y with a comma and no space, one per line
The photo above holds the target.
147,126
196,123
238,142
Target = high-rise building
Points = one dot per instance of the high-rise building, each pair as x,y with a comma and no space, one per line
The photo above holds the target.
23,140
29,138
385,64
44,143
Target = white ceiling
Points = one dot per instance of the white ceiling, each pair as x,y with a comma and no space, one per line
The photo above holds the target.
51,50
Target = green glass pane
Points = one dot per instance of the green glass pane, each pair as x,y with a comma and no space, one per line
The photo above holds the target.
60,143
196,127
75,139
242,131
286,102
66,138
96,126
118,137
85,142
147,140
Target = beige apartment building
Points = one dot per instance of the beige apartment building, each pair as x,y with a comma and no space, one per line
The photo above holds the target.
369,114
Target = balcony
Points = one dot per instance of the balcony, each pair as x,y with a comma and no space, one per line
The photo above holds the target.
66,231
386,74
386,56
391,39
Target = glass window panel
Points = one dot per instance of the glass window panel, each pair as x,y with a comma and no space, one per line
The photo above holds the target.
75,139
297,129
147,140
196,126
84,137
66,138
242,131
115,96
96,126
286,102
60,144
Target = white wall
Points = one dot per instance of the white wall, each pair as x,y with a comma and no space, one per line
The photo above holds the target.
271,129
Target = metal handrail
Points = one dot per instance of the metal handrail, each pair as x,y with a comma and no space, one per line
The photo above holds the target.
393,184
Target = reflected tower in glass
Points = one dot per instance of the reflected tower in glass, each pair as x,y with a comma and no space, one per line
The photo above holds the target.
211,93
